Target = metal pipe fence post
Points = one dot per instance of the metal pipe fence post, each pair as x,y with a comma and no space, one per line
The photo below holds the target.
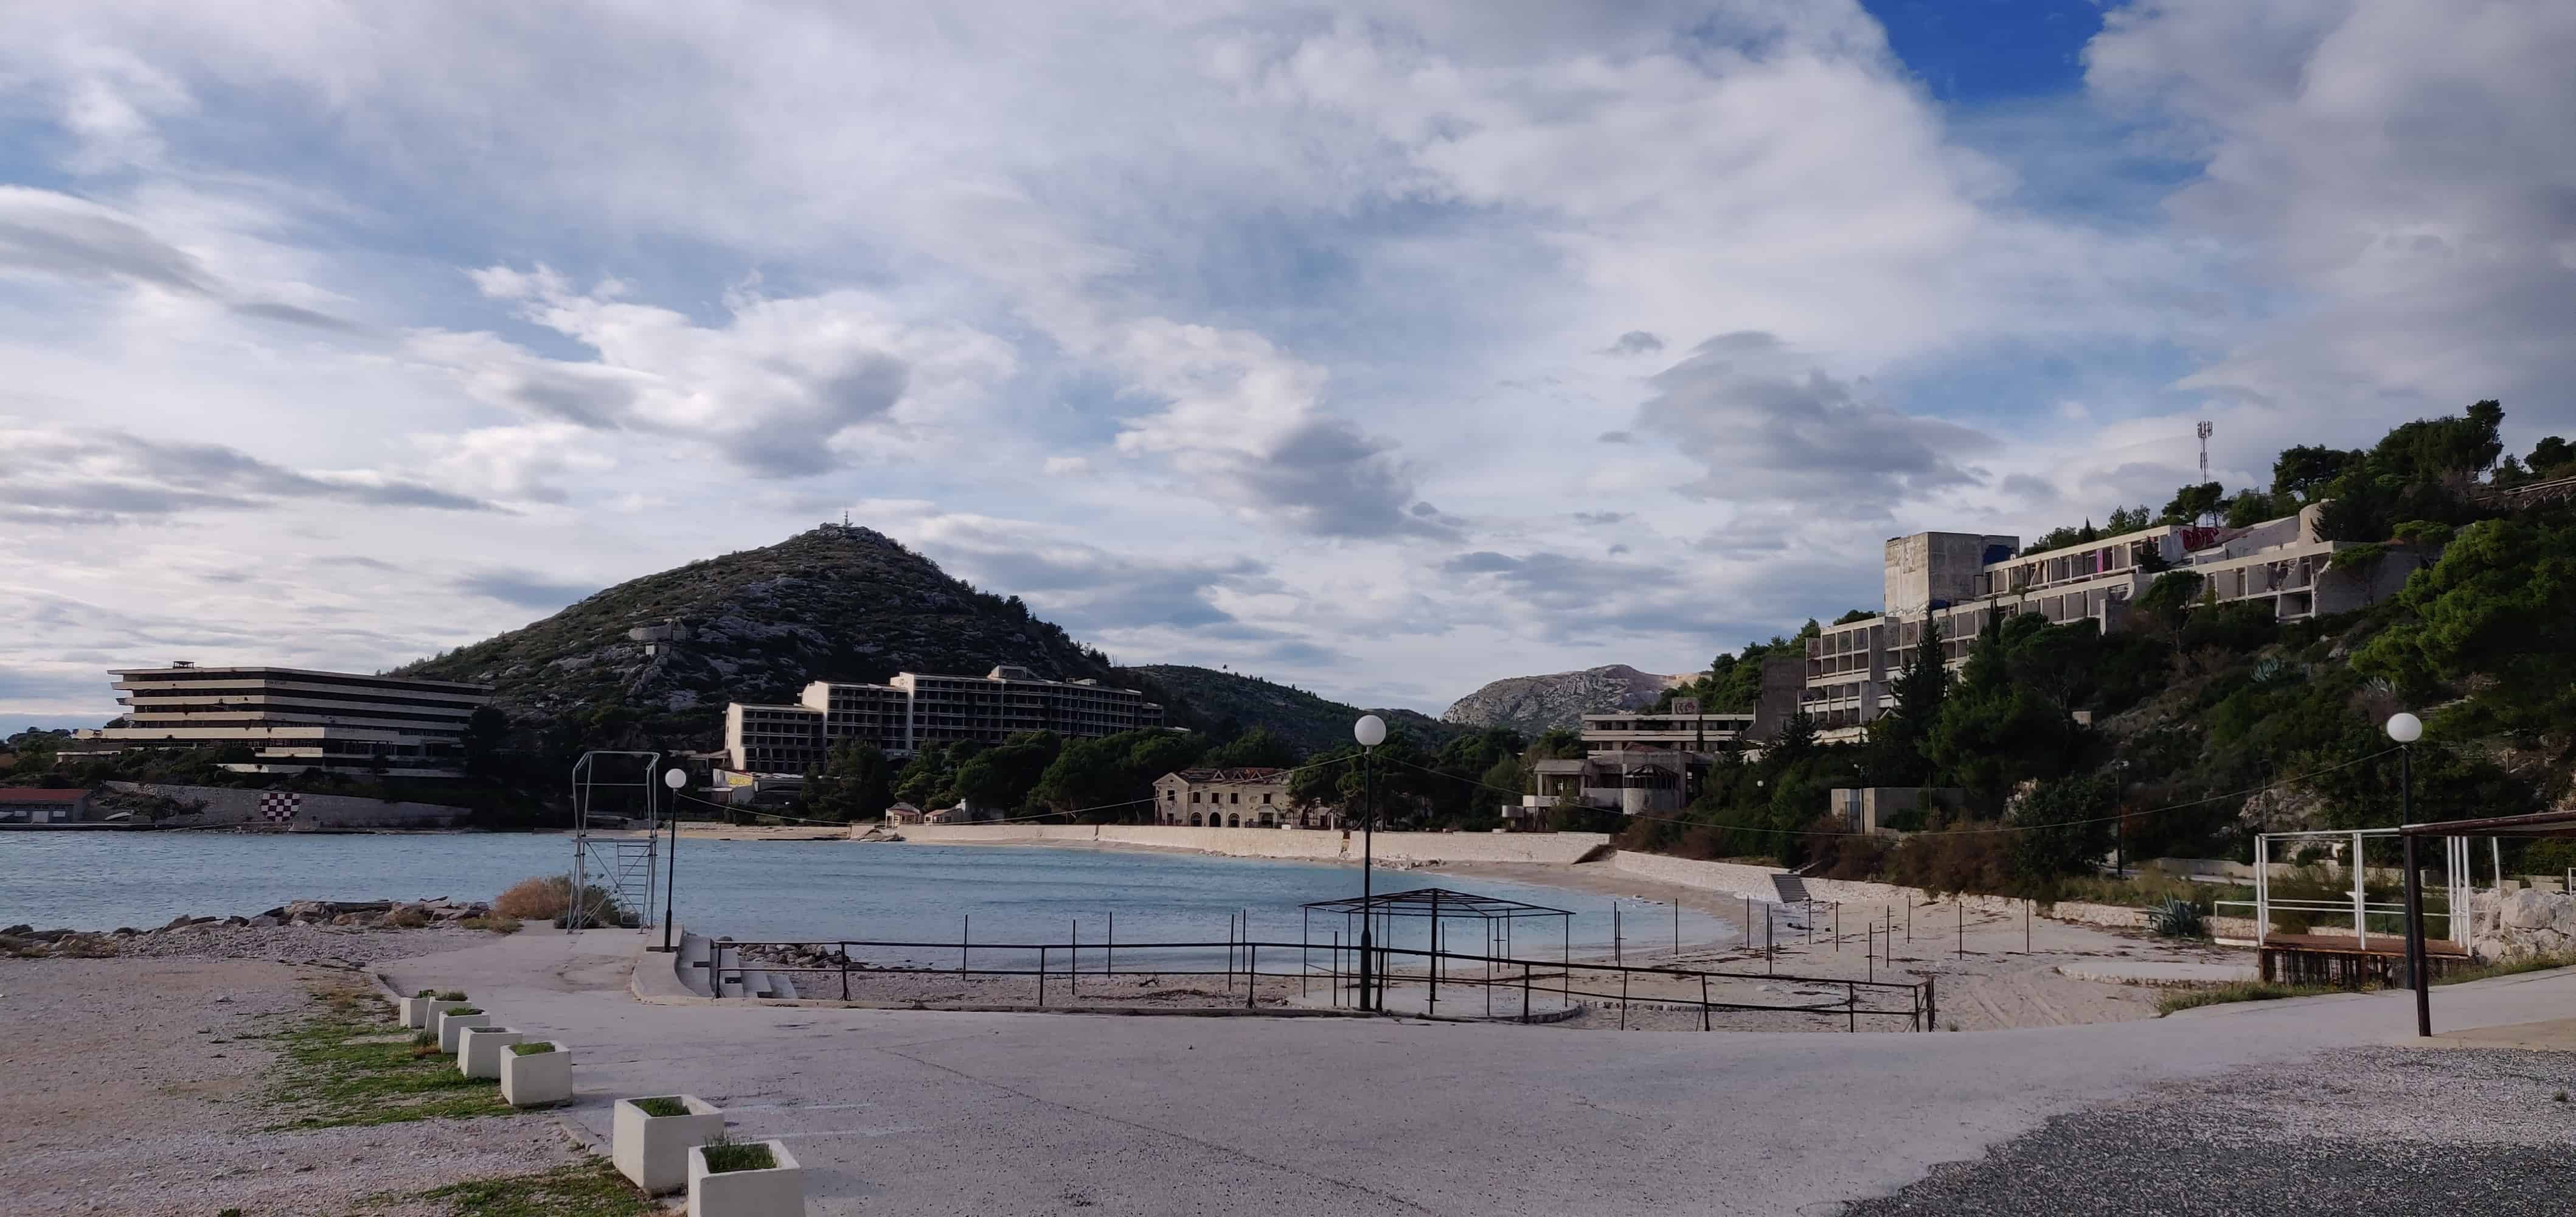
1623,999
2025,927
1931,1004
1703,1001
1677,926
1869,952
1748,923
1073,970
1963,928
1851,1007
1042,960
1251,971
1525,992
1838,925
845,971
1111,964
1767,949
965,934
1618,954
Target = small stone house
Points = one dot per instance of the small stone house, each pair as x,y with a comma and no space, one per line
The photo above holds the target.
905,813
1245,797
36,805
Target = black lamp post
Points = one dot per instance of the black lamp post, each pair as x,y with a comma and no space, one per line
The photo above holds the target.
675,778
2406,729
1370,731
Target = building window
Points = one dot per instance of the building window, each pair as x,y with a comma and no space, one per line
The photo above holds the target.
1234,821
1265,798
1194,796
1236,797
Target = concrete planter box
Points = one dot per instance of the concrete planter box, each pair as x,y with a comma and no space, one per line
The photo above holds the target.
415,1011
540,1079
776,1192
430,1009
452,1025
479,1050
653,1151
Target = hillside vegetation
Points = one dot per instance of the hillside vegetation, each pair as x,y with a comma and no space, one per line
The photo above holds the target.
1225,704
2213,722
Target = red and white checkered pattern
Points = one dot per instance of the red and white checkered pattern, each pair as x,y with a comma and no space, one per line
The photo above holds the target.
278,806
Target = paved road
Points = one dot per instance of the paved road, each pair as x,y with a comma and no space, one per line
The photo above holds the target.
994,1114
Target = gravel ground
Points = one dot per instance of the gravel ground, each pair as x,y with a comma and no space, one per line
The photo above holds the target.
2356,1131
132,1090
350,946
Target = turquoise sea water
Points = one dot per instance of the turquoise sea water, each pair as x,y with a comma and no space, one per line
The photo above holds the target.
771,890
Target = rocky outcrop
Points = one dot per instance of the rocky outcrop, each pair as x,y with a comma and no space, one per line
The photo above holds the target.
2522,923
1531,704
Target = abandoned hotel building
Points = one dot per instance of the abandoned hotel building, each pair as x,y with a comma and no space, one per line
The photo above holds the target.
1649,763
914,710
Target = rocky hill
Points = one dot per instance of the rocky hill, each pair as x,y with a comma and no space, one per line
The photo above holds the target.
836,603
1310,722
1532,704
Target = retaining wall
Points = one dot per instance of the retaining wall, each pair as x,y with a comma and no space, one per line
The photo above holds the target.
1415,848
227,806
1754,882
2524,922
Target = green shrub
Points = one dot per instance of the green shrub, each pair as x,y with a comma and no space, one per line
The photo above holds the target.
663,1107
430,993
532,1049
467,1010
452,995
2177,919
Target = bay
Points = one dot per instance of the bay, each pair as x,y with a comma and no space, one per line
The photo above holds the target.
780,890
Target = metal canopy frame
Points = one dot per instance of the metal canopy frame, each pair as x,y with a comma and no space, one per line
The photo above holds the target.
2359,907
1496,916
623,866
2542,824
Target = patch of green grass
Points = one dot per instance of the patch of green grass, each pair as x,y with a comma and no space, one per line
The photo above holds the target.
2510,967
452,995
724,1155
663,1107
430,993
533,1049
589,1188
335,1068
2234,991
466,1010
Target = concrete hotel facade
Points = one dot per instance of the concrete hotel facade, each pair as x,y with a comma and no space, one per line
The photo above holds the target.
1961,579
294,719
915,709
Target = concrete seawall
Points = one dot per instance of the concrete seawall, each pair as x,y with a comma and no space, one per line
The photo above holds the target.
1754,882
1295,844
227,806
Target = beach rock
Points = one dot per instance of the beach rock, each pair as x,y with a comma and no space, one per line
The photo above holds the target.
21,930
236,921
265,921
176,922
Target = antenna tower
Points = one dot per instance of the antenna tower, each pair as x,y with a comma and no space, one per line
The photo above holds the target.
2205,428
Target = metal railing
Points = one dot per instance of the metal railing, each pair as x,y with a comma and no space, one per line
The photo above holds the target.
1334,965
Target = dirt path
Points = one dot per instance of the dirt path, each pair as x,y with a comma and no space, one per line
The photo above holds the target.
140,1086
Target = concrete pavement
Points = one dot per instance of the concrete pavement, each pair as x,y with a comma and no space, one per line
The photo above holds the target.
928,1112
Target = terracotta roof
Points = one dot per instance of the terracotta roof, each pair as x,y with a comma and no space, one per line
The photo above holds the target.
25,794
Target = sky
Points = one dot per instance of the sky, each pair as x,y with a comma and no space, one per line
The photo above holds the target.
1384,350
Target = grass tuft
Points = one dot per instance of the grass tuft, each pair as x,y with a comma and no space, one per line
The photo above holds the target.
2510,967
467,1010
662,1107
452,995
540,1046
496,925
590,1188
2189,997
725,1155
430,993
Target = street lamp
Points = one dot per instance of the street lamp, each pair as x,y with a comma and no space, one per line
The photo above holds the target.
2406,729
1370,731
675,778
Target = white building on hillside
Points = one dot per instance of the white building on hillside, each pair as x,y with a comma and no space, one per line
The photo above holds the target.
294,719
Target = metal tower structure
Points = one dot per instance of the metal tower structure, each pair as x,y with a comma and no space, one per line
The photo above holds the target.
2205,428
620,867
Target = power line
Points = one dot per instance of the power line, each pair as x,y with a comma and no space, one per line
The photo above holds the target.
2000,828
1035,815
